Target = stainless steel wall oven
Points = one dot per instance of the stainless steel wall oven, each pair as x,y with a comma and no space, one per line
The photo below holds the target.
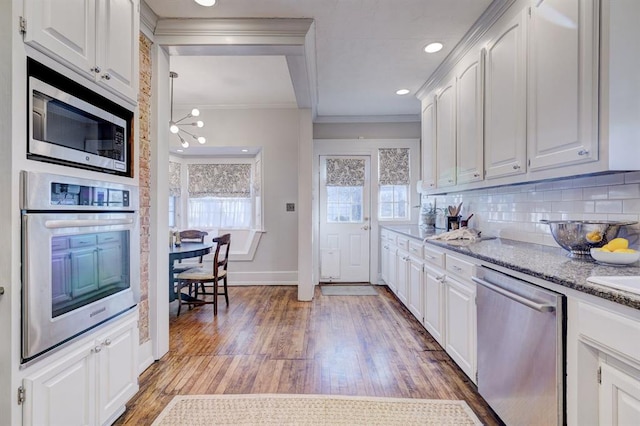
80,257
72,125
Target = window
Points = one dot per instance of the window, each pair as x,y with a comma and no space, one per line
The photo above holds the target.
393,202
175,169
393,181
221,196
172,211
344,204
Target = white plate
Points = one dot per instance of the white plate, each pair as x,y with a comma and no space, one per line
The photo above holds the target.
615,258
630,284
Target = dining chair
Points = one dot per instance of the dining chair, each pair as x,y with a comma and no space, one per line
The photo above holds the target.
207,278
190,235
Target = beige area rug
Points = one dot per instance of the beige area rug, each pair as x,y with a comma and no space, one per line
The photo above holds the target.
282,409
347,290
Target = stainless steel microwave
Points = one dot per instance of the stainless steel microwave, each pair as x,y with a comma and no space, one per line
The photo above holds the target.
70,124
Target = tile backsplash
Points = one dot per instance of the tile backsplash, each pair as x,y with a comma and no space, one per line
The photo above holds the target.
514,212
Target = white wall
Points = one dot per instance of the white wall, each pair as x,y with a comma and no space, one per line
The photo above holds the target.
408,130
277,132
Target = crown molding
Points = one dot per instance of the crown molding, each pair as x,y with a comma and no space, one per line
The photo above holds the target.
405,118
489,17
148,20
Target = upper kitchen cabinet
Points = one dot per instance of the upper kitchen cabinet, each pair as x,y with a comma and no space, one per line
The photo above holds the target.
505,115
428,143
468,118
97,38
562,83
446,134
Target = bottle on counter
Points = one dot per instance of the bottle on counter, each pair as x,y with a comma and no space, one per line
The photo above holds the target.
178,241
171,235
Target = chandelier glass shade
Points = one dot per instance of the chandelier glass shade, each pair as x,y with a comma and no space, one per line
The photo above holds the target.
177,127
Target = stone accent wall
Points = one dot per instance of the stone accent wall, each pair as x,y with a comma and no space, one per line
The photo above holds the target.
144,158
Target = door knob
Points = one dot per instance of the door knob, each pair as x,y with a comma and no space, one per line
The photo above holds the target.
365,228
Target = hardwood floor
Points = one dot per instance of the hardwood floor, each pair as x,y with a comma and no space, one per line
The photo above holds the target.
269,342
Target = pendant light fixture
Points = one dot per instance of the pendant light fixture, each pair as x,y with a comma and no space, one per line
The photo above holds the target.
176,127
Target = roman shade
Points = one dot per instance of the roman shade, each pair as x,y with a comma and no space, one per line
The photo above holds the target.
393,166
220,180
345,172
174,178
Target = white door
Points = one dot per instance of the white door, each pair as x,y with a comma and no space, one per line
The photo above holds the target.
344,218
619,397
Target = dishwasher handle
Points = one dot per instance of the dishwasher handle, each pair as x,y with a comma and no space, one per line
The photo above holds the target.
540,307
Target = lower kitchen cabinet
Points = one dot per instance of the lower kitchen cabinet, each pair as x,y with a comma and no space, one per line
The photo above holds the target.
416,288
460,325
402,276
88,386
619,397
434,303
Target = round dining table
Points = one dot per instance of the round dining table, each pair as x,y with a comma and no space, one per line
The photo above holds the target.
185,250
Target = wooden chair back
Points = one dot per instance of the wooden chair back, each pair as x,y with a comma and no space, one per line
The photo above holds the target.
193,235
221,257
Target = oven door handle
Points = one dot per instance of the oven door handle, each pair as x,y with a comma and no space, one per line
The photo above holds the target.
74,223
540,307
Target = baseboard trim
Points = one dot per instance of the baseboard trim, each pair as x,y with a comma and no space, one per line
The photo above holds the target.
262,277
145,356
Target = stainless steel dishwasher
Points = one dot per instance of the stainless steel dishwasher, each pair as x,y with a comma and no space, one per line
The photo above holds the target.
521,349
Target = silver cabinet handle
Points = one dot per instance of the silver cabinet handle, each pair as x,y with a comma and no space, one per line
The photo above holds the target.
106,76
583,152
476,175
516,166
441,278
96,349
107,342
96,69
540,307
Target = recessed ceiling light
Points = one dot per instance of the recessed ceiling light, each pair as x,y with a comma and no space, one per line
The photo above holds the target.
433,47
402,92
206,2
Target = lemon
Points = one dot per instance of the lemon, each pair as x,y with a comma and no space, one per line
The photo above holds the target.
594,236
618,243
604,248
625,250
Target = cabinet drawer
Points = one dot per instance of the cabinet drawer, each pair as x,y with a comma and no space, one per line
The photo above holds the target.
391,238
384,235
108,237
434,257
460,267
82,241
415,249
58,243
403,243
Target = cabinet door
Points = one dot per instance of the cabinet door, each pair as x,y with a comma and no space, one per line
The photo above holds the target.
469,125
446,134
562,92
64,29
118,26
460,326
428,144
84,268
393,269
403,276
63,394
118,364
109,264
384,262
506,101
619,397
60,277
434,303
415,291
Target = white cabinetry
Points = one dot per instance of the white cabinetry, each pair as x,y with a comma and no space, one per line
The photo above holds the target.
415,292
403,276
505,115
619,397
562,83
469,121
97,38
89,385
428,144
446,134
460,315
434,303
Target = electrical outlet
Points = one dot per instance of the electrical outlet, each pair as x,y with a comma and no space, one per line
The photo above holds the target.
291,207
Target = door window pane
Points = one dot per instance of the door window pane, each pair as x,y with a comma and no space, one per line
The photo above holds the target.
344,204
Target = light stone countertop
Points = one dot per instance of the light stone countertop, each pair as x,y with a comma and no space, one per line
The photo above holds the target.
547,263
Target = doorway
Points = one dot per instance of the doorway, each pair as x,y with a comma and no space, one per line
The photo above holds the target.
345,218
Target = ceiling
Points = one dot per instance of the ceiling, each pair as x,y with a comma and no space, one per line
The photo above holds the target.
365,50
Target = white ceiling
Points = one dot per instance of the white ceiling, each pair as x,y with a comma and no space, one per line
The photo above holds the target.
365,51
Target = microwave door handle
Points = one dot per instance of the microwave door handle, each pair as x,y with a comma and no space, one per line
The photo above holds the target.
62,223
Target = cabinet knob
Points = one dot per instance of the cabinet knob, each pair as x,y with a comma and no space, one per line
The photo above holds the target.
1,291
106,76
96,349
516,166
475,175
96,69
107,342
583,152
450,181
